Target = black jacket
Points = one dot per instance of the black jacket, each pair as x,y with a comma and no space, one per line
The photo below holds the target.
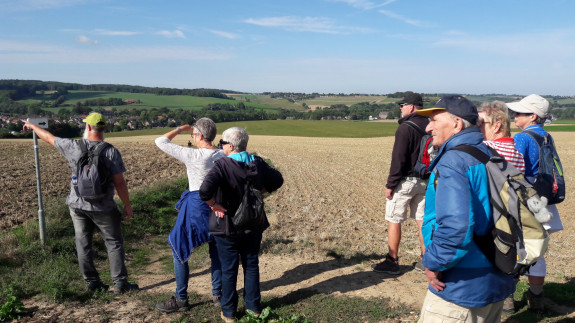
229,177
405,149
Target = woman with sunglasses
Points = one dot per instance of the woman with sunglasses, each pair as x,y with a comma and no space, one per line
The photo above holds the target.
191,228
229,177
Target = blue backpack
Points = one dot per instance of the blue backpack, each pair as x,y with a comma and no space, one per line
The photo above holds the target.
549,181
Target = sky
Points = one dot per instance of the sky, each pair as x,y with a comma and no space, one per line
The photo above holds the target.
325,46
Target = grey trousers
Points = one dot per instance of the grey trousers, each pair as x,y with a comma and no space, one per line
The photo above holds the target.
109,225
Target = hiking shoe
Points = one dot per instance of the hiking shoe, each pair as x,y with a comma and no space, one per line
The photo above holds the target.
388,266
227,319
535,302
124,287
97,287
173,305
509,305
419,266
217,301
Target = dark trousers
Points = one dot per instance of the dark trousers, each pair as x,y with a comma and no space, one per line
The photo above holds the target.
231,250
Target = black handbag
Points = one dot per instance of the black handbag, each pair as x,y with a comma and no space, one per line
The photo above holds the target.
250,213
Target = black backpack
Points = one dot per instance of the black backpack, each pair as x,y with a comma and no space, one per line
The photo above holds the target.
549,181
92,178
517,239
250,213
427,152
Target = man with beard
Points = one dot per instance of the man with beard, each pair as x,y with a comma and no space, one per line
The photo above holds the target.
102,213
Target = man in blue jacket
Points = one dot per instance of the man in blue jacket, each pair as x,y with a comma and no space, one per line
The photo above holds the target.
463,285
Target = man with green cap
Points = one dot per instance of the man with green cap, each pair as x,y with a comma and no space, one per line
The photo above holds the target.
102,213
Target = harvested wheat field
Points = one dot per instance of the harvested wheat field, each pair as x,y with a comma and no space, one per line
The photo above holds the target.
332,202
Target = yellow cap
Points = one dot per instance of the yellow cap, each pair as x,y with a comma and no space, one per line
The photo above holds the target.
95,119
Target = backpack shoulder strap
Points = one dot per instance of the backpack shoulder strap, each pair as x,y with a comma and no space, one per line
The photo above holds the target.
98,151
473,151
539,139
83,147
414,126
99,148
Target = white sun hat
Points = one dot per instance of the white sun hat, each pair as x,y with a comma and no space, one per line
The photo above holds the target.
532,103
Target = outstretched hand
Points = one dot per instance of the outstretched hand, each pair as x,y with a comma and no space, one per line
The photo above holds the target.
27,126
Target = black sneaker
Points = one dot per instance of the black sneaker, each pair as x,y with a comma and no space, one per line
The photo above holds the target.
535,302
388,266
124,287
419,266
97,287
173,305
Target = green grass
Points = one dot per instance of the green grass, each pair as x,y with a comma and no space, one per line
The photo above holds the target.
350,100
297,128
566,128
152,101
53,274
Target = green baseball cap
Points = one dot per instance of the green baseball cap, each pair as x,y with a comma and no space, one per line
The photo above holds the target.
95,119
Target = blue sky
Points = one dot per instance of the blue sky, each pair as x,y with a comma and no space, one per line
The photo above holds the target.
325,46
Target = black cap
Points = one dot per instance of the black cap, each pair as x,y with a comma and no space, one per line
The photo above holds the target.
456,105
412,98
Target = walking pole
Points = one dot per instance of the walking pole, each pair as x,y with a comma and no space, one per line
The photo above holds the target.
41,219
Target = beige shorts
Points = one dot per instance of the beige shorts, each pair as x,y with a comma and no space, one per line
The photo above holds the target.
410,193
436,309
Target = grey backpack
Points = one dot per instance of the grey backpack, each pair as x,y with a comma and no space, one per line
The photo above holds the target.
518,238
92,178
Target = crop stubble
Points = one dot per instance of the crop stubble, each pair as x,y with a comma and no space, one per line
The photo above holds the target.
332,198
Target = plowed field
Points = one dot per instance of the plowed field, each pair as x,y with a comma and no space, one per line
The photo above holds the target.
332,200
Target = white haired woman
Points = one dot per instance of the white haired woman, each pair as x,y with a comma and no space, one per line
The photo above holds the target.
223,189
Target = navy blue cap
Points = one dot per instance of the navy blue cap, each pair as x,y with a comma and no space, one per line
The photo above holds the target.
456,105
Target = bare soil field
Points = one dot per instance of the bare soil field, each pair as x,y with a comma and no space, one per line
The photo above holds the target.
332,202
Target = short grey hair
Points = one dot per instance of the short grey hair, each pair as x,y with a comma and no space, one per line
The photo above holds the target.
238,137
466,124
207,128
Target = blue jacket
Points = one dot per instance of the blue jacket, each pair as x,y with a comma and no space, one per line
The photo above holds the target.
530,149
457,206
191,228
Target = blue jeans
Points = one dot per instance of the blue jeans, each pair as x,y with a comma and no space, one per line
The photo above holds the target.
247,247
108,222
182,272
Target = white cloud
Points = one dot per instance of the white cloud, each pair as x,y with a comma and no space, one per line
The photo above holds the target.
106,32
85,40
305,24
223,34
399,17
31,53
363,4
171,34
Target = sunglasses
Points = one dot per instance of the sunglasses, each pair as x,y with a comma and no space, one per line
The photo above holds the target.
223,142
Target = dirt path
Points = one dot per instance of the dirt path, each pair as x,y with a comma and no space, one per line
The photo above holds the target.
280,277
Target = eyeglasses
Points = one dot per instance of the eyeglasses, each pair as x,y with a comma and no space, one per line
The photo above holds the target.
198,132
403,105
222,143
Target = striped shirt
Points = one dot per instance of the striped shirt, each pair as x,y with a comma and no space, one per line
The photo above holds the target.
506,148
